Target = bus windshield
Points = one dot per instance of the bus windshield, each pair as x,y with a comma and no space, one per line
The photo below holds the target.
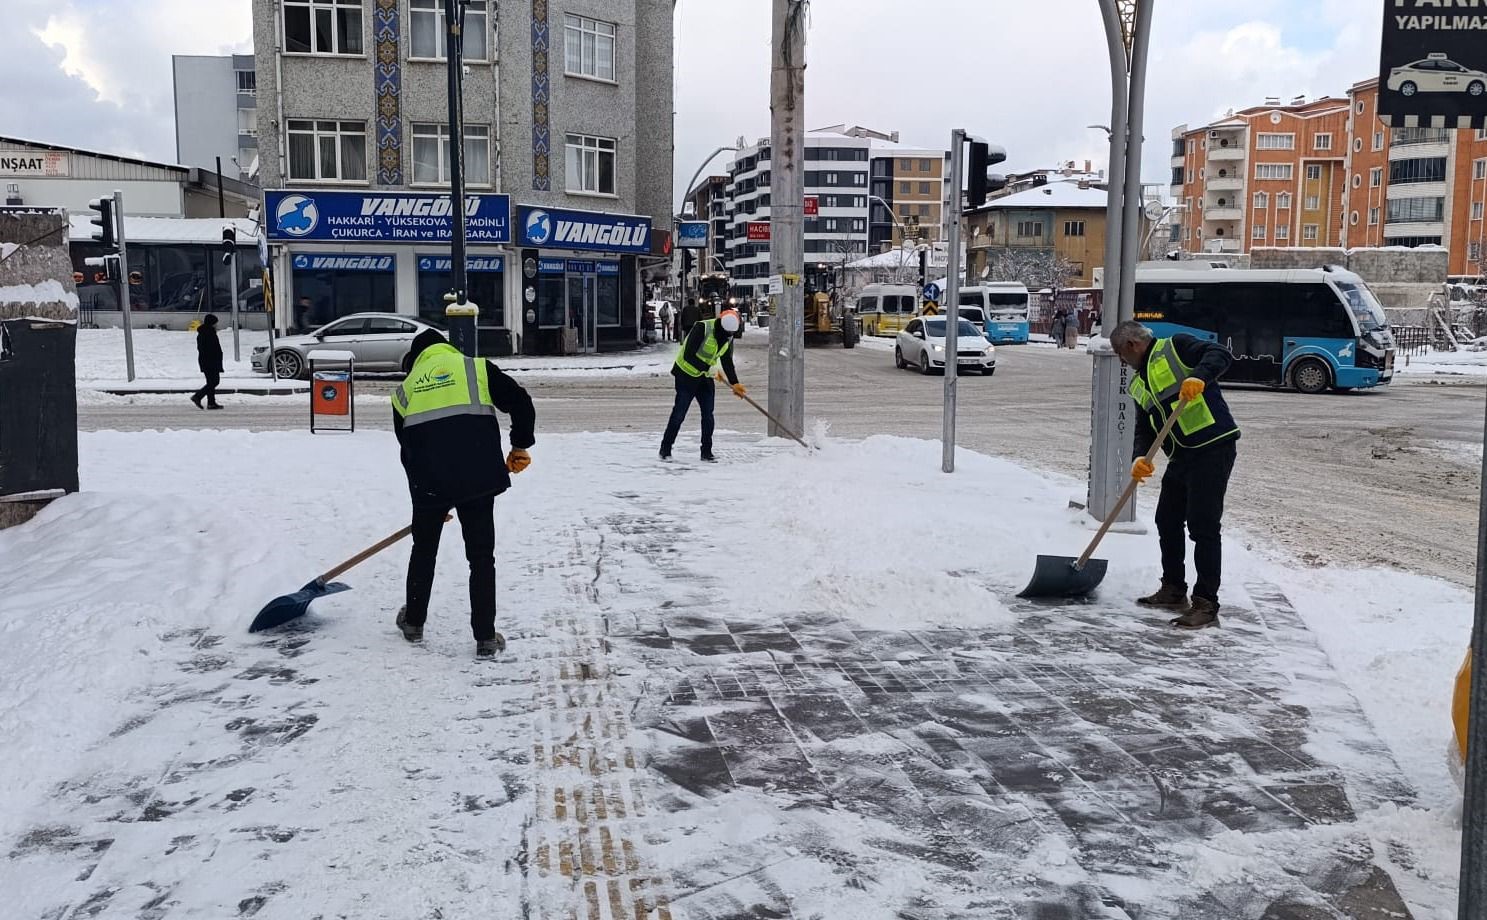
1008,306
936,329
1364,307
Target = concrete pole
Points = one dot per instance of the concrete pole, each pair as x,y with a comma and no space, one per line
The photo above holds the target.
1132,204
951,310
787,217
1472,891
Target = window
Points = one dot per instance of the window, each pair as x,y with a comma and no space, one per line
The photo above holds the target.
247,82
1262,200
1378,140
1408,210
926,165
591,164
859,225
1313,202
1187,233
1309,232
431,155
1357,181
1283,171
1073,228
1276,142
924,210
248,123
1482,134
1479,169
1360,107
1353,219
1476,210
1032,228
322,27
1321,142
429,35
924,188
1376,177
1258,232
903,188
1282,232
905,165
1474,251
588,47
328,151
1190,147
1426,169
1283,201
1373,217
1314,171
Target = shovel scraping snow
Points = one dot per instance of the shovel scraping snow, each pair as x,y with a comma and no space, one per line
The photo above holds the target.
1062,576
291,606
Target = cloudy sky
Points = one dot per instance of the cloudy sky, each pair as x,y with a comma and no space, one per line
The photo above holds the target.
1029,75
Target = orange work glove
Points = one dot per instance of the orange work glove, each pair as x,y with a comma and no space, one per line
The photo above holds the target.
518,460
739,390
1192,388
1142,469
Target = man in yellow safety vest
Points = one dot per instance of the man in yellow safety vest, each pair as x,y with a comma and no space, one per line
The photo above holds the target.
1201,451
709,342
444,415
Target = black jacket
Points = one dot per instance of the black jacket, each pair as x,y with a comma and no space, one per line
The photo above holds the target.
1209,361
693,345
691,316
453,460
208,350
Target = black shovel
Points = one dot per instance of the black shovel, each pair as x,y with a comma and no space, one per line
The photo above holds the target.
291,606
1060,576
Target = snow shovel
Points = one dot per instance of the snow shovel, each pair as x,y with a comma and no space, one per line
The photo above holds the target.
765,412
1060,576
291,606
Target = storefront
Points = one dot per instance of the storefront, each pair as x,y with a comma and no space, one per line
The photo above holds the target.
336,285
580,290
484,284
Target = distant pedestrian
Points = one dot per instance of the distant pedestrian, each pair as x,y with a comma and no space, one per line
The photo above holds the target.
1071,333
691,316
1056,327
209,359
302,311
668,326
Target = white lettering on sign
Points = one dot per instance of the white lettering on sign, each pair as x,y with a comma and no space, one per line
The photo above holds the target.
600,235
351,263
1442,23
414,207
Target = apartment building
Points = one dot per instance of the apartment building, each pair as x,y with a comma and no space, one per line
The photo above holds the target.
1271,175
1062,220
910,193
566,154
216,107
709,201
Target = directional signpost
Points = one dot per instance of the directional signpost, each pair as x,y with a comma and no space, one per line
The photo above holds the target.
1433,74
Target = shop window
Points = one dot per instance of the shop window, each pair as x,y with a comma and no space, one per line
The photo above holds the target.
430,36
328,151
483,288
607,299
337,292
431,155
322,26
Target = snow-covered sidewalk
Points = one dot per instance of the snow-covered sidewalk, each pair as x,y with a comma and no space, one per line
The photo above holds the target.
1443,364
768,685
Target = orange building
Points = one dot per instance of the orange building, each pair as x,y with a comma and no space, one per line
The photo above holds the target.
1329,173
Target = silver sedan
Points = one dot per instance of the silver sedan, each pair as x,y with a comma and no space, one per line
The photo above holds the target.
380,342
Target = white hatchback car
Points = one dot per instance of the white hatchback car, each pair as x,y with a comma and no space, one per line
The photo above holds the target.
922,345
1437,74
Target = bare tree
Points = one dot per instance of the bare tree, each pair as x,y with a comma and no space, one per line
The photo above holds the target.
1036,268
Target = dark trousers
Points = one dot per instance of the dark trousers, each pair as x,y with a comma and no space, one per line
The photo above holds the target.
209,392
1193,490
687,389
478,523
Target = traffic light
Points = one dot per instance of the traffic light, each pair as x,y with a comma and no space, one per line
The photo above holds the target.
979,182
229,244
686,262
103,221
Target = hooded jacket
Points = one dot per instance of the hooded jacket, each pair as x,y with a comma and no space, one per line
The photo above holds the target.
208,349
450,461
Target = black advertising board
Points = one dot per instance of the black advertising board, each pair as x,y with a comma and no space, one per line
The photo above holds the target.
1433,64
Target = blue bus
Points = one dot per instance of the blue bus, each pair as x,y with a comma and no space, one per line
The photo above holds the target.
1311,329
1005,306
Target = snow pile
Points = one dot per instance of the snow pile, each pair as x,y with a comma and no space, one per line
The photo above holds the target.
50,291
1443,363
6,249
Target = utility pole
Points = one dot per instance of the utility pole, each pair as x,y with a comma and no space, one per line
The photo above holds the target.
124,285
787,217
951,312
460,314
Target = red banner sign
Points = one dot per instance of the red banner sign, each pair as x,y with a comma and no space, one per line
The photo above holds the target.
812,206
758,231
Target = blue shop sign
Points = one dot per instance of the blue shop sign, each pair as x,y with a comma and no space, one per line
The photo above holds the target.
382,217
341,262
555,228
576,267
472,263
609,268
692,234
551,266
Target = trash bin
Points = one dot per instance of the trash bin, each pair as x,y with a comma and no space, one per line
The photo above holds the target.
332,392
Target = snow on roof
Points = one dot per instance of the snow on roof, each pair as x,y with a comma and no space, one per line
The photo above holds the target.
899,258
170,229
64,148
1054,195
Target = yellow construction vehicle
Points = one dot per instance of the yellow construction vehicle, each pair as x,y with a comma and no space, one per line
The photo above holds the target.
828,321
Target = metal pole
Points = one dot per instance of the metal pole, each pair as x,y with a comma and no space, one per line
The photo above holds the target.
237,352
1119,113
124,284
460,315
951,312
221,199
1132,206
787,217
693,184
1472,892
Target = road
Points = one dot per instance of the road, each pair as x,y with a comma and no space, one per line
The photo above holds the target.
1365,479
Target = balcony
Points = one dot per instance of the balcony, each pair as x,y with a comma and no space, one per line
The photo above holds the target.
1221,215
1226,154
1222,245
1398,190
1419,150
1413,228
1226,183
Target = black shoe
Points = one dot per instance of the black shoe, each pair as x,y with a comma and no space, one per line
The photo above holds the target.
665,453
1201,614
489,648
1170,597
410,632
707,457
213,406
196,401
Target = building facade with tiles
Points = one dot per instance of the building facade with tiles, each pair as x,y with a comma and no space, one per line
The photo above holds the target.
567,161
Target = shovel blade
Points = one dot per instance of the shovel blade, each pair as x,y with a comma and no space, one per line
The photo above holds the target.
292,606
1056,576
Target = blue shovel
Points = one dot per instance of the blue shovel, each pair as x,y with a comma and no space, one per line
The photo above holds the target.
291,606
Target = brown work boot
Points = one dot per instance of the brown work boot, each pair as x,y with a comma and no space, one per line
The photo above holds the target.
1201,614
1167,596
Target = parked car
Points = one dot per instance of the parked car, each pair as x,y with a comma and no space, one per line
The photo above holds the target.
380,342
922,345
1437,74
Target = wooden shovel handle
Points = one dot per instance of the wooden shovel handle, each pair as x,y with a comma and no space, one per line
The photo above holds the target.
1131,486
373,550
765,412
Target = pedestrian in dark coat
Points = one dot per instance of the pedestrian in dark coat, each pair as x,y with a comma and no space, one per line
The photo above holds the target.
452,455
209,359
691,316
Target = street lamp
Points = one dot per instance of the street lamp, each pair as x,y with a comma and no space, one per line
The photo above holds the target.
693,184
